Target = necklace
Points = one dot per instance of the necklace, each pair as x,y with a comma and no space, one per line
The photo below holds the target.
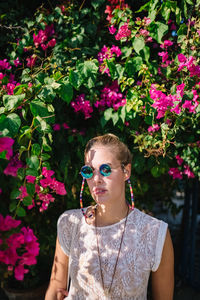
107,291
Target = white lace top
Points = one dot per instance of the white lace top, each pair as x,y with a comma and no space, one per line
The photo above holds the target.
140,254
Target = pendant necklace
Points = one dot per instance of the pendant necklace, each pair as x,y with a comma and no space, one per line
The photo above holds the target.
107,291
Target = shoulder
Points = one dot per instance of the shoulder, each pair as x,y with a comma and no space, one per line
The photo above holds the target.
147,223
71,216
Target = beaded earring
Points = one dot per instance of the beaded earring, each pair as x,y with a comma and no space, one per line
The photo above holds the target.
132,198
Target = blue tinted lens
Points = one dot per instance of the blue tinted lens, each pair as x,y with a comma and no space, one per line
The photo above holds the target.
86,172
105,170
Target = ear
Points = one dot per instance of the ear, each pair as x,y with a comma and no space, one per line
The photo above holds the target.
127,172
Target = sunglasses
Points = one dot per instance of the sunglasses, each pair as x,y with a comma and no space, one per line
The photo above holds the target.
87,172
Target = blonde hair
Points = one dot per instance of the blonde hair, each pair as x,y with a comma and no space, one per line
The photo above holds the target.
123,153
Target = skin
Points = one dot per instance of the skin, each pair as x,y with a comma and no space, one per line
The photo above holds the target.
107,191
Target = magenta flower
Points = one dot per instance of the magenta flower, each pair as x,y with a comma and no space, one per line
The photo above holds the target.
188,172
13,166
153,128
47,173
6,145
167,43
179,160
147,21
164,56
17,62
52,43
123,32
65,126
111,97
8,223
30,179
4,65
112,29
31,61
175,173
82,105
56,127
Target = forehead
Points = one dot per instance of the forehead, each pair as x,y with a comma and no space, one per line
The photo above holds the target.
101,154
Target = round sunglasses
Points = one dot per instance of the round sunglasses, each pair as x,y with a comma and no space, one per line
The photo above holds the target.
87,172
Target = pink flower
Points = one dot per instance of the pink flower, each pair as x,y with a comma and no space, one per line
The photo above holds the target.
110,97
167,43
19,272
164,56
13,166
6,145
147,21
52,43
4,65
44,47
47,173
179,89
17,62
181,58
153,128
175,173
8,223
2,76
0,191
179,160
123,32
188,172
23,193
56,127
30,179
65,126
31,61
188,104
144,32
112,29
82,105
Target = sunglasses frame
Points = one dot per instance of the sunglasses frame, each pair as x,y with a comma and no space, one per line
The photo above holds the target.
100,170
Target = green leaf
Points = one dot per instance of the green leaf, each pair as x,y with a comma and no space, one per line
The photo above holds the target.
39,108
145,53
27,200
12,101
35,149
33,162
158,30
45,156
75,79
31,172
10,125
21,212
12,206
138,44
66,92
14,194
148,120
30,188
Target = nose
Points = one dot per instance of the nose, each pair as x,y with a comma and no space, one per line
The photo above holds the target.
97,177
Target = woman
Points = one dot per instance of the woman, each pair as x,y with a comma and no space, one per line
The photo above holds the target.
110,249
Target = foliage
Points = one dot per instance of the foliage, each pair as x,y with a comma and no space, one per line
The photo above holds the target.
80,70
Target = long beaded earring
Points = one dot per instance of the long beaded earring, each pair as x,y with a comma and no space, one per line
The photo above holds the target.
132,198
81,202
81,197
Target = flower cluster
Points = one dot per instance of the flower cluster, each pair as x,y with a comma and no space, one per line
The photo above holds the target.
6,144
43,189
42,37
123,33
189,63
177,173
163,102
82,105
105,54
115,5
110,97
13,166
17,249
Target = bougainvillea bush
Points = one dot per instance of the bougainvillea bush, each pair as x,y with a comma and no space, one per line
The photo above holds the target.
78,70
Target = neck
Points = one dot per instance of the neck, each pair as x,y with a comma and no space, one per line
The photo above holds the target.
111,215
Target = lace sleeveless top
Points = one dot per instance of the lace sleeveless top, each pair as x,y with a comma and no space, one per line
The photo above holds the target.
140,254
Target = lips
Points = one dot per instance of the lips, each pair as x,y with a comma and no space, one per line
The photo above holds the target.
99,191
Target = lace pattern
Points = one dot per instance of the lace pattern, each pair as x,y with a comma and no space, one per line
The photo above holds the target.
140,254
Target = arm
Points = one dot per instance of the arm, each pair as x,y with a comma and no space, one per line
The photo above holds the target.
163,277
59,274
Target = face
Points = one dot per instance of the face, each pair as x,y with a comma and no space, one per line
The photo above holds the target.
106,189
